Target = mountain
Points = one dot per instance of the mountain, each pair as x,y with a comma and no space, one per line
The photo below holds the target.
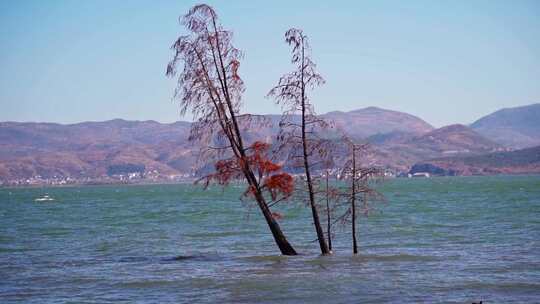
513,127
401,150
522,161
96,150
89,149
454,139
371,121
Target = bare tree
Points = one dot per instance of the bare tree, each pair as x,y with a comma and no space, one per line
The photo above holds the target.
304,135
210,87
359,190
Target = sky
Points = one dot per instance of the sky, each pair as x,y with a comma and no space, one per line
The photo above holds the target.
444,61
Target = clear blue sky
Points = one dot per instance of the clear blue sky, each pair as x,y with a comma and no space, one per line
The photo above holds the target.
445,61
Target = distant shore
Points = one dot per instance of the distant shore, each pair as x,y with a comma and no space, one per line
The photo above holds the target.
192,181
141,183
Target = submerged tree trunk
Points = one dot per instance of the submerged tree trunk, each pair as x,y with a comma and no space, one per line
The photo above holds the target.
328,217
281,241
353,203
314,211
313,204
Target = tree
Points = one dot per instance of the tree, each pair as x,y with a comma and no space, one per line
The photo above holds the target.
291,94
278,185
210,87
359,186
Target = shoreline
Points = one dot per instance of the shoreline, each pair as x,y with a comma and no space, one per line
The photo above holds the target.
185,182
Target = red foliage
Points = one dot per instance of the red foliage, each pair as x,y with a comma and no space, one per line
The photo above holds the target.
259,147
281,183
225,171
258,160
267,166
278,185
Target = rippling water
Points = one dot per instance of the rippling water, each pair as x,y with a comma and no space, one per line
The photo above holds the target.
455,240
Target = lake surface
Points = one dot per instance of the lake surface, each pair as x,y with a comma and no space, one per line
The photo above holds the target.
448,240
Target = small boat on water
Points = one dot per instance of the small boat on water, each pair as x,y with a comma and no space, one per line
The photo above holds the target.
44,198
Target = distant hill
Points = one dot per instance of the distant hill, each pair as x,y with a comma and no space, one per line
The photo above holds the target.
401,150
513,127
96,149
455,139
93,149
524,161
371,121
89,149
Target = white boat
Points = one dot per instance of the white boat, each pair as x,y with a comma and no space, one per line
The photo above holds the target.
44,198
421,174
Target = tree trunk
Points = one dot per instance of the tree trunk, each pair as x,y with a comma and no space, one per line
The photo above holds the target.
355,244
314,212
281,241
353,203
328,224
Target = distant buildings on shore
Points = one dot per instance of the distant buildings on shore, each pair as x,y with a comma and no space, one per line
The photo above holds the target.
127,178
155,177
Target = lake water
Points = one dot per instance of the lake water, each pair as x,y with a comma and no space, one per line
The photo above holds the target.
448,240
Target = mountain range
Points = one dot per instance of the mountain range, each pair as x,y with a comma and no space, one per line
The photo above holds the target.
513,127
398,140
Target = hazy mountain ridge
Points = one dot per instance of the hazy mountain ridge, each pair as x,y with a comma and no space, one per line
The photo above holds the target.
517,127
89,149
455,139
400,151
370,121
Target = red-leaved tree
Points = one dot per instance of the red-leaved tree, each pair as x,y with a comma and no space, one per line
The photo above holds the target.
210,87
279,185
